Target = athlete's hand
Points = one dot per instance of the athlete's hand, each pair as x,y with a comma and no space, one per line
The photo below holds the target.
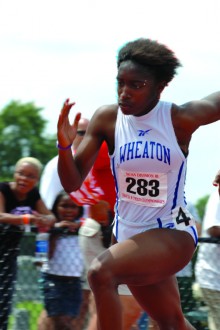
216,181
66,132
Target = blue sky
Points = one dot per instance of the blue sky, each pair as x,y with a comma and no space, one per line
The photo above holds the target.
51,50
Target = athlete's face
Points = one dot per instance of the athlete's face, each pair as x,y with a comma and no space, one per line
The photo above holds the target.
138,90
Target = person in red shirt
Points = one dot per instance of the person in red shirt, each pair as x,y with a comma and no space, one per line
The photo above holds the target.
103,175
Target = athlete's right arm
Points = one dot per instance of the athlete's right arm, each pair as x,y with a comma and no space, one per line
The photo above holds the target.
74,169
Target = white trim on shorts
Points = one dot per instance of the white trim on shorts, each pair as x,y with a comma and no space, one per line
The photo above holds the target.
123,229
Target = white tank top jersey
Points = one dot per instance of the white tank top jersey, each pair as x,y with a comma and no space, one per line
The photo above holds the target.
149,170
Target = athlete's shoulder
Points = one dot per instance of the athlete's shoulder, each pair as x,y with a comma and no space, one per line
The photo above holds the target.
105,115
107,110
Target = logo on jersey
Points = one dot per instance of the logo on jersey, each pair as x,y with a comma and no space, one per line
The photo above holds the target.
142,133
145,149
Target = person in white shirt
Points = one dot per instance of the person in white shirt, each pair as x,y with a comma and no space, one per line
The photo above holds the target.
50,185
207,269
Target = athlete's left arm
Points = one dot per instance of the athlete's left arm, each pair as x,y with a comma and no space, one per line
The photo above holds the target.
202,112
187,118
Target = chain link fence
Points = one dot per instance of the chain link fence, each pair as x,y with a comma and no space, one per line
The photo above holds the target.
27,302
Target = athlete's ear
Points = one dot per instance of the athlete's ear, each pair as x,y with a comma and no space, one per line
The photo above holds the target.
161,85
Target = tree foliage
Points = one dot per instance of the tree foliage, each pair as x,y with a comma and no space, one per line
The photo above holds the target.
23,133
201,205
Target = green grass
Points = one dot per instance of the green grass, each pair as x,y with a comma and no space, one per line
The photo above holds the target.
34,309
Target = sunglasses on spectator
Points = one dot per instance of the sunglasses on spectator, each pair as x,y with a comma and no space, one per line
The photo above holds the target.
81,133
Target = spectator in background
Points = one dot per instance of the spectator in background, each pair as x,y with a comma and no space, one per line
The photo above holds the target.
185,276
102,172
62,273
50,185
216,181
207,268
20,206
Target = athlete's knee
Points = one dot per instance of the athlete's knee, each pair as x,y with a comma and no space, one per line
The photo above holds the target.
99,274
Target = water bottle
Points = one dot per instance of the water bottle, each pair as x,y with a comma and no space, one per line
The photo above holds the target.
41,251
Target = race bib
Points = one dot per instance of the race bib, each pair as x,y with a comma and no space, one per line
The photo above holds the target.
182,218
147,189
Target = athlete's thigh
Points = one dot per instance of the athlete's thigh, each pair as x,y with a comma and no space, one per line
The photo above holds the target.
148,257
159,300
